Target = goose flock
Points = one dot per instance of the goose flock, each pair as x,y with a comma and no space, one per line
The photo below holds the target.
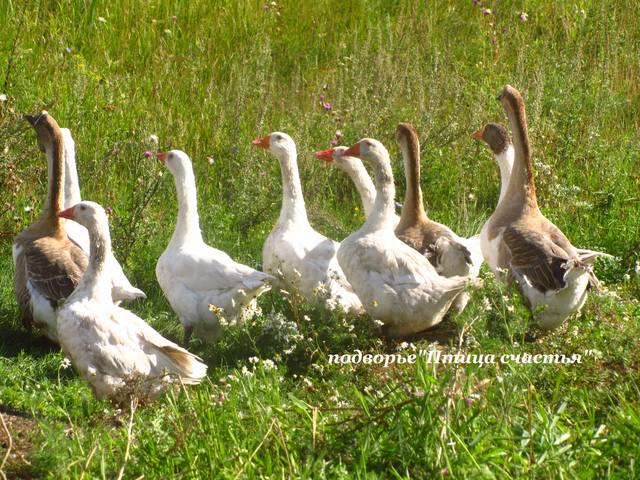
408,271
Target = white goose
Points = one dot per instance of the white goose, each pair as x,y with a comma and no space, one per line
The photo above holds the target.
47,265
353,167
302,258
202,284
450,254
396,284
518,240
121,287
117,352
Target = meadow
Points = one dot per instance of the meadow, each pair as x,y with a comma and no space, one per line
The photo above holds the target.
207,78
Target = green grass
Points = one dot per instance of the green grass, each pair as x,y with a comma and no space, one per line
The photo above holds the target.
225,72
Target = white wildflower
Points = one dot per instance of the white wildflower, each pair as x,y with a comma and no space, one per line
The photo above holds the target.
268,364
246,372
153,138
253,360
66,363
102,20
307,382
3,97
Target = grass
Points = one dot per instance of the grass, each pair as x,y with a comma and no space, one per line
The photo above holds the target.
223,73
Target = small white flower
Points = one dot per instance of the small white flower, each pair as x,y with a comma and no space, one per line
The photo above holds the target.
331,304
486,304
471,197
307,382
306,318
3,97
246,372
153,138
28,209
510,308
102,20
66,363
637,267
268,364
378,322
254,359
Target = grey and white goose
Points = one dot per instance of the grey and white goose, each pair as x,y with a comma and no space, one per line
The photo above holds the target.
450,254
519,241
47,265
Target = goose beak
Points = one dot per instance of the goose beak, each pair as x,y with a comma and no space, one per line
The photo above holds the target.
478,134
352,151
162,156
262,142
326,155
68,213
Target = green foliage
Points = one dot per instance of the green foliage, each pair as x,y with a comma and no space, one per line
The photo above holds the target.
222,73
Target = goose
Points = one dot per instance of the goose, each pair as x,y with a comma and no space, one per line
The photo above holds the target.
121,287
353,167
117,352
47,265
498,140
397,285
303,259
519,241
450,254
204,286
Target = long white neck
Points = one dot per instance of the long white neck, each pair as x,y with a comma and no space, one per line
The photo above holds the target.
367,190
71,184
293,209
188,224
96,282
383,215
505,162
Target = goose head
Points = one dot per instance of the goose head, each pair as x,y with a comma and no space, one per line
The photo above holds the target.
47,130
86,213
335,156
494,135
406,135
367,149
176,161
278,143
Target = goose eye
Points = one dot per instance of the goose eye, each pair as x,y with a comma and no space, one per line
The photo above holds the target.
82,207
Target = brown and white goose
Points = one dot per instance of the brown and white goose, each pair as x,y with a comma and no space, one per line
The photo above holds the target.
517,239
450,254
47,265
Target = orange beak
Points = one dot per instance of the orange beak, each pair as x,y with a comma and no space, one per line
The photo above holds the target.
162,156
262,142
478,134
326,155
68,213
352,151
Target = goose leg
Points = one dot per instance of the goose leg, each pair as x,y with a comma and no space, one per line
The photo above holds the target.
188,331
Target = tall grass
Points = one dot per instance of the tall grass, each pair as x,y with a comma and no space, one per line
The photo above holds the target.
221,73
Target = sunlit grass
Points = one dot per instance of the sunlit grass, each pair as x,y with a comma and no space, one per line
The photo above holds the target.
208,77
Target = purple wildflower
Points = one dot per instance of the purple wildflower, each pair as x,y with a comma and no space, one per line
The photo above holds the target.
327,105
174,18
338,134
523,16
334,142
494,40
469,400
486,12
322,98
68,50
444,471
148,153
109,210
